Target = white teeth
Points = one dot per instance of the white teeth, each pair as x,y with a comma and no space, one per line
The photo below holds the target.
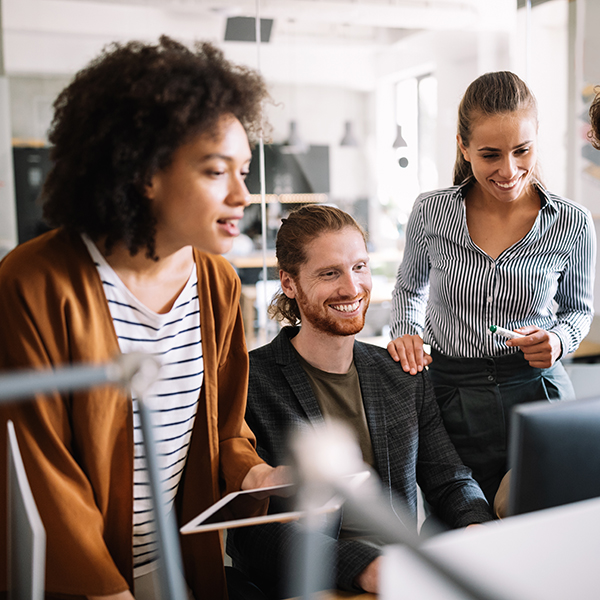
506,186
346,307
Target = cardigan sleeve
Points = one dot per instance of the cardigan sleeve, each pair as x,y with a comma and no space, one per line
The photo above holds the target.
236,440
237,444
35,333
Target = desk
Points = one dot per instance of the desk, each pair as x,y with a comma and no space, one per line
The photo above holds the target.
547,555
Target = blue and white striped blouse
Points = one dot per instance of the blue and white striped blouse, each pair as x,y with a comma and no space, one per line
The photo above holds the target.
174,338
450,291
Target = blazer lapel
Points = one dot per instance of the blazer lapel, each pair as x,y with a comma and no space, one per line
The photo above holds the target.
295,376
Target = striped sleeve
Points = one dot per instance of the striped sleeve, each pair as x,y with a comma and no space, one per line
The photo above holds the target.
409,298
575,294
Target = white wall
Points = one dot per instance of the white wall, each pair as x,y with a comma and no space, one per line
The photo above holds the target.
548,80
31,99
320,112
455,59
8,222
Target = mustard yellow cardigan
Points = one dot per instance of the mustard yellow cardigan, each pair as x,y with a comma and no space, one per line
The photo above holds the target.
78,448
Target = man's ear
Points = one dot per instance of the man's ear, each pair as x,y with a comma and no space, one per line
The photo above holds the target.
463,148
288,287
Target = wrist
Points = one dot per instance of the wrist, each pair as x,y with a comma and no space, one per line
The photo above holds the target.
558,347
255,476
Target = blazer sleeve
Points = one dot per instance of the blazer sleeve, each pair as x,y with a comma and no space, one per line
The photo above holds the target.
271,556
34,334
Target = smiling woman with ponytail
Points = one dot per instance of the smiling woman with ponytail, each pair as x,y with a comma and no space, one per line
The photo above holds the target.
498,249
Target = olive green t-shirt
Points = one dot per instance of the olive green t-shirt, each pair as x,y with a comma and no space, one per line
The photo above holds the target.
339,397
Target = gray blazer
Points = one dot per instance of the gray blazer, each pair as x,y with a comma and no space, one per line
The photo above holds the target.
409,442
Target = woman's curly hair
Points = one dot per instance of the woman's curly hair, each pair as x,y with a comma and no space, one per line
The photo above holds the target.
594,133
122,118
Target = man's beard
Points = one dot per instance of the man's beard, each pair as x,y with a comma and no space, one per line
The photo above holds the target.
320,318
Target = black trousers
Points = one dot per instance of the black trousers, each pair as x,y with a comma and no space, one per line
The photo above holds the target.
476,397
239,587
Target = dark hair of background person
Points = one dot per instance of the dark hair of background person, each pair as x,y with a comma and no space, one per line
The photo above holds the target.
122,118
489,95
594,133
298,230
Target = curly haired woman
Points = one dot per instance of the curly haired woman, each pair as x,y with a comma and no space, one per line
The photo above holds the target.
150,154
594,134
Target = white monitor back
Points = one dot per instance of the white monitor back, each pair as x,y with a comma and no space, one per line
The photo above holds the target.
550,554
26,534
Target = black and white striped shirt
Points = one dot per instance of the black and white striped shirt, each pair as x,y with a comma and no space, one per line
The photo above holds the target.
174,337
449,291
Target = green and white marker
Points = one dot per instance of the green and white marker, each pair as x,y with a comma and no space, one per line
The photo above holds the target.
507,333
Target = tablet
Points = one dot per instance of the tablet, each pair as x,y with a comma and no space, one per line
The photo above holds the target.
247,507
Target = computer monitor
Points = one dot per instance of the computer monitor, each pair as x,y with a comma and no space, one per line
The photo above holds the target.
554,454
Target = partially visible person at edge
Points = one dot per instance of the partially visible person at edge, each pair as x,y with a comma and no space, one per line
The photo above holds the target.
594,133
150,152
319,371
495,249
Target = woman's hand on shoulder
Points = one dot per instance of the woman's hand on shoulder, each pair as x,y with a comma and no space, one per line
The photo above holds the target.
540,348
408,351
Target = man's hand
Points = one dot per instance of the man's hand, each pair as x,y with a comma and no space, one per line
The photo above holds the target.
368,579
408,351
501,498
264,475
540,348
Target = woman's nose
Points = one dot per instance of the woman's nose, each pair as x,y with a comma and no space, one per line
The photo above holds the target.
508,168
238,193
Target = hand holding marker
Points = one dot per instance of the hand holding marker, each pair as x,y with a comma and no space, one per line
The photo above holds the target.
507,333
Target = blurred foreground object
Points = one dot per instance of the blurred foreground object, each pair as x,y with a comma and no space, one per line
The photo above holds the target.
324,458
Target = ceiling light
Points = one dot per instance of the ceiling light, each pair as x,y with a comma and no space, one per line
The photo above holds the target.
399,142
294,143
349,138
